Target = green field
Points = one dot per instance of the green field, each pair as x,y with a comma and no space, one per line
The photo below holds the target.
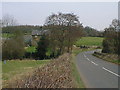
5,35
89,41
16,67
31,49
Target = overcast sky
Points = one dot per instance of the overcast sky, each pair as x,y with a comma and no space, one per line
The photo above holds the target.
94,14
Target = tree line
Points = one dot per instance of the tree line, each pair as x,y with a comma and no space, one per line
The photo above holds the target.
91,32
111,43
64,29
26,29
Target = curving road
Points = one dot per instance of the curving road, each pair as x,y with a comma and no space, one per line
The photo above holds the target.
97,73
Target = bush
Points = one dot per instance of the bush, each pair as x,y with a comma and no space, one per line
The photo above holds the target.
108,46
13,48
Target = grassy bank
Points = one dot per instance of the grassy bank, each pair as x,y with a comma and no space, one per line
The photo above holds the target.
113,58
89,41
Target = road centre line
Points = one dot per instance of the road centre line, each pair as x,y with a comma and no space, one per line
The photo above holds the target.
102,67
84,55
110,71
94,63
90,60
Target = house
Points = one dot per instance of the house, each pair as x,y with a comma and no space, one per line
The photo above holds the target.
36,34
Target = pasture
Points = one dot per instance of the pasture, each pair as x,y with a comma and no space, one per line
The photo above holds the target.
31,49
16,67
89,41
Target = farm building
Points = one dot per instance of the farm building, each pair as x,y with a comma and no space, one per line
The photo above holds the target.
35,36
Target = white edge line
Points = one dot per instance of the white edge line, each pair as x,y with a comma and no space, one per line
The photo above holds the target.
111,71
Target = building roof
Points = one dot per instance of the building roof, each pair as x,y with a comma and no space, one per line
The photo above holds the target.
38,32
27,38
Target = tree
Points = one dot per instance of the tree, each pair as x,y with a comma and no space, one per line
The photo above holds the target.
111,41
88,31
13,48
42,48
65,29
8,20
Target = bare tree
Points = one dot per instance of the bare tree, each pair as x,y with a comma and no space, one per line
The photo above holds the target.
114,23
8,20
0,23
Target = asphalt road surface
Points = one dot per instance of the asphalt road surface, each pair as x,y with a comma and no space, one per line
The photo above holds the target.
97,73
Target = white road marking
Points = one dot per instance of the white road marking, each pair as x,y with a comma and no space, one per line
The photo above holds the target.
102,67
110,71
84,55
94,63
88,59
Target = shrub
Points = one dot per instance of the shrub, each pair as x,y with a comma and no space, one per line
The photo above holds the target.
13,48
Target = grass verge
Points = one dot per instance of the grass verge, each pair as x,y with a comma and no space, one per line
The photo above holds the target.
76,75
108,57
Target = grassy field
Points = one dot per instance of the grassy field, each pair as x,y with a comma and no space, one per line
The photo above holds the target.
5,35
89,41
79,50
16,67
30,49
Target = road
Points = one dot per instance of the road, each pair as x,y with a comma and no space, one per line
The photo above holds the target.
97,73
